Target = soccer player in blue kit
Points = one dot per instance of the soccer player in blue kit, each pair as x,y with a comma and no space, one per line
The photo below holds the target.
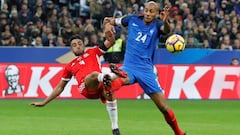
143,37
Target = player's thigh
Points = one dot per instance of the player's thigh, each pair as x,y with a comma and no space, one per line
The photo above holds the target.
149,82
91,81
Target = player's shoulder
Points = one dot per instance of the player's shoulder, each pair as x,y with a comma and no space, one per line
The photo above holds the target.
140,17
135,15
131,16
89,49
159,23
93,50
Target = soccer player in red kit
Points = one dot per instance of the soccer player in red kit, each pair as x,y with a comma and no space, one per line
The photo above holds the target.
92,83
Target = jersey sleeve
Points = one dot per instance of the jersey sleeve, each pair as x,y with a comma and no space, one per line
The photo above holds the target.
96,50
125,19
67,74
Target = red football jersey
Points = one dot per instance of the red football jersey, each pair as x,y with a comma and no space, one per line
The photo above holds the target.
83,65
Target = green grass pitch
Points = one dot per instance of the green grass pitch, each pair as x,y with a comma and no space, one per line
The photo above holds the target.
136,117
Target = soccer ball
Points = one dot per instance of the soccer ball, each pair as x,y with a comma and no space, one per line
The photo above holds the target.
175,43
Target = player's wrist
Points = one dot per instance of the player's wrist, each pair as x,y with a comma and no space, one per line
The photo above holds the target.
108,43
104,46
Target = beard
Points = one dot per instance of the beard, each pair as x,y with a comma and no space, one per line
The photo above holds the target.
78,53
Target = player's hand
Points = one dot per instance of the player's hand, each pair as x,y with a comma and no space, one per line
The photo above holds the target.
106,20
110,20
164,14
109,31
109,27
38,104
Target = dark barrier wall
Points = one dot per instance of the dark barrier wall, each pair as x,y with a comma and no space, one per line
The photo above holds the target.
162,56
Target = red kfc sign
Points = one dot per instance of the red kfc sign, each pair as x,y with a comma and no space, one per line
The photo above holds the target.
200,82
178,82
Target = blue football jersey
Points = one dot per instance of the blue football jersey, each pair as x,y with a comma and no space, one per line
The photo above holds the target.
142,40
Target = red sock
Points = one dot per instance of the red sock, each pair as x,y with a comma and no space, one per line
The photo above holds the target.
172,121
117,84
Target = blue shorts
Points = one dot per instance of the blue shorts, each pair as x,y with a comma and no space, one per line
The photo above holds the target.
146,79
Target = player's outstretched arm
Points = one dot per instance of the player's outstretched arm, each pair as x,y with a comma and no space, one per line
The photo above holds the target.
59,88
109,31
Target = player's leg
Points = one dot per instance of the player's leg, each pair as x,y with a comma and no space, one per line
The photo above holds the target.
113,82
92,80
159,100
112,109
151,86
114,68
107,85
111,103
111,106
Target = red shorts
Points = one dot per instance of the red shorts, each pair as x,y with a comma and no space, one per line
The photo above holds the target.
96,94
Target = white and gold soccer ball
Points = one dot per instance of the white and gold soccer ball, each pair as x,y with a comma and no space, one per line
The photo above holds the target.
175,43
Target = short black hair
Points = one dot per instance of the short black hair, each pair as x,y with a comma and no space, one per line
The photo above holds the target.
74,37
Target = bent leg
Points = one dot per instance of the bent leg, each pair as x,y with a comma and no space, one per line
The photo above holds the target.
118,83
160,101
91,81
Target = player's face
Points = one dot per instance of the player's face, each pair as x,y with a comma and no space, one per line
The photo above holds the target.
150,12
77,47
